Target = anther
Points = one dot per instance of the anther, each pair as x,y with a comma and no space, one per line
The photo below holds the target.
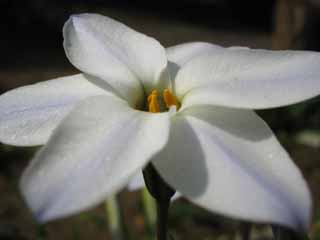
169,99
153,104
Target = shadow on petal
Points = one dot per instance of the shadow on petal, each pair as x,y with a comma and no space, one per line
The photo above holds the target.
181,163
173,69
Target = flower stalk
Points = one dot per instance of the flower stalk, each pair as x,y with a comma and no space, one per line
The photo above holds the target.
162,219
162,193
149,206
113,216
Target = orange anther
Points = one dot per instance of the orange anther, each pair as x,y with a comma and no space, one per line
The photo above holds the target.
153,104
169,98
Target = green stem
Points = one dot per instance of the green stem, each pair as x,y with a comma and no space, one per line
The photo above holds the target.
162,221
162,193
113,216
149,206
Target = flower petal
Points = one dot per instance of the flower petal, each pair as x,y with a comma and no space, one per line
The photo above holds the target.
229,162
136,183
95,151
180,54
108,49
29,114
246,78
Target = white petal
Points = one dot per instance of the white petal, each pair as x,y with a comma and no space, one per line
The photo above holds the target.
183,53
93,153
112,51
246,78
179,55
29,114
229,162
136,183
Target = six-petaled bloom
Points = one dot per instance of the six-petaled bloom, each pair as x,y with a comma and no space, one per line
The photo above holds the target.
186,109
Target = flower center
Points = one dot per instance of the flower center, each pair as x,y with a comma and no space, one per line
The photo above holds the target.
168,98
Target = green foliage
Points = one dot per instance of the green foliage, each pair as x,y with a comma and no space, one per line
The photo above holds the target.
41,233
98,220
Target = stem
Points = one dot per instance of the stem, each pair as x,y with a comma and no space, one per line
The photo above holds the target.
162,193
162,221
113,216
149,206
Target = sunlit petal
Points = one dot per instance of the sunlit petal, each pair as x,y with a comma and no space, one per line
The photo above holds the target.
116,53
29,114
95,151
246,78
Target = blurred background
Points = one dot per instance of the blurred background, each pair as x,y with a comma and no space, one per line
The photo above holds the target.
31,51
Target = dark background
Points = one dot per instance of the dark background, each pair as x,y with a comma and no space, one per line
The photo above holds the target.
31,51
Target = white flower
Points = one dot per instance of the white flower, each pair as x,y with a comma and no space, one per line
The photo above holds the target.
214,150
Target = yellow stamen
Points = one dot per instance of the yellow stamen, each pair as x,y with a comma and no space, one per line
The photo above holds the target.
153,102
169,98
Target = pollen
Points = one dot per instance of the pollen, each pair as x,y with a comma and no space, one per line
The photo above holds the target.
157,104
153,102
169,99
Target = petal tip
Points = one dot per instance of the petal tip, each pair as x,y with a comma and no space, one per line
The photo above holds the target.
75,17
